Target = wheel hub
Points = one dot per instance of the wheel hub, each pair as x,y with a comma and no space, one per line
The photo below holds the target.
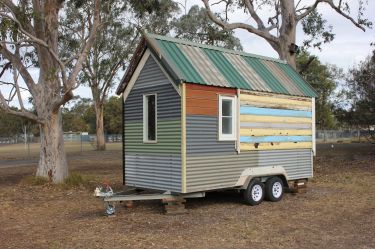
277,189
257,192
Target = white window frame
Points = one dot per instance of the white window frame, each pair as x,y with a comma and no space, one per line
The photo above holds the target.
233,136
145,118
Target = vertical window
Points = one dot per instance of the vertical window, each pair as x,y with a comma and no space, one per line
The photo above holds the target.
149,118
227,118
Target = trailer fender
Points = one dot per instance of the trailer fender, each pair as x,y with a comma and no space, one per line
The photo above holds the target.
250,173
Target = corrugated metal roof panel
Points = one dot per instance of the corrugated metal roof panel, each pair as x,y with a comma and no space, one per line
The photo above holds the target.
283,79
209,65
248,73
266,75
227,69
204,66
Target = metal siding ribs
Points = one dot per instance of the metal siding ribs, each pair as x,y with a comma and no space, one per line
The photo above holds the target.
215,170
153,165
153,171
201,136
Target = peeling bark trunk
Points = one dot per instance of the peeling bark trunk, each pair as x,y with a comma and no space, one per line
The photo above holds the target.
52,161
100,140
287,32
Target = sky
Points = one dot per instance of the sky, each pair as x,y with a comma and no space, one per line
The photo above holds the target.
350,46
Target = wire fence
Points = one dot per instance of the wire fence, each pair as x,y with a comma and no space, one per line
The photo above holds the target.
322,136
340,136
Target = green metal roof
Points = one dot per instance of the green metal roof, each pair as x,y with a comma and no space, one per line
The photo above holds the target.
209,65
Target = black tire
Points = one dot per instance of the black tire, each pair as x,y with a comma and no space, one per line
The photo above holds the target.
254,194
274,189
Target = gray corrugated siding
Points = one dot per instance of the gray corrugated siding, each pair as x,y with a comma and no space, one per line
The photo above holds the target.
153,80
202,134
154,166
213,171
153,172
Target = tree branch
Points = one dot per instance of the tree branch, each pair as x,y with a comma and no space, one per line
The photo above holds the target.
339,11
16,62
15,10
5,107
38,41
337,8
308,10
230,26
72,81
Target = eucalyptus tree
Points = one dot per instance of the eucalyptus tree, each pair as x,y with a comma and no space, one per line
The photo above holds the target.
360,91
196,26
115,43
276,20
29,37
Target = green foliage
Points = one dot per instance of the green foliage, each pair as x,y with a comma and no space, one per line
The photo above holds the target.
359,89
81,116
324,80
113,115
196,26
73,119
316,30
11,125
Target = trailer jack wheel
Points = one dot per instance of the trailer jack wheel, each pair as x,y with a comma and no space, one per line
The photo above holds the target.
110,209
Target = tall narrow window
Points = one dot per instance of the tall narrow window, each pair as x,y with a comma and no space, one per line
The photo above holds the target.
149,118
227,118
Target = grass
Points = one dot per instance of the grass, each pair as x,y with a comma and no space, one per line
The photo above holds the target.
78,180
74,180
35,180
20,152
337,211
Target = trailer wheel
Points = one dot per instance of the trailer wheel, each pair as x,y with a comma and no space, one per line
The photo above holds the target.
274,189
254,194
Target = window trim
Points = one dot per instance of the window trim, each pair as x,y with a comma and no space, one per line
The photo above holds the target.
145,118
233,136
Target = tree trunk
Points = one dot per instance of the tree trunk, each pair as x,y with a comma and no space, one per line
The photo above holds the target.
99,113
287,36
52,161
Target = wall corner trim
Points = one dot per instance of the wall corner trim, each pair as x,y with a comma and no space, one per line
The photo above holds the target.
183,137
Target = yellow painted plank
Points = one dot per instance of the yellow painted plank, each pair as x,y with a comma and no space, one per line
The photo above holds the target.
275,100
183,138
275,95
276,146
275,105
273,119
274,132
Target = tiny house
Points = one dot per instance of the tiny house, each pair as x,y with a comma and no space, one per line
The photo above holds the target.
199,118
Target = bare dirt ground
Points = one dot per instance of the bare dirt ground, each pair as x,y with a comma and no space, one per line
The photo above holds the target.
337,211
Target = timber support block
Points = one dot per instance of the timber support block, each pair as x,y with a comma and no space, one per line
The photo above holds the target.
298,186
174,206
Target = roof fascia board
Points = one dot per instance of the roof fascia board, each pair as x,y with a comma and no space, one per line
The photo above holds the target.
132,66
164,59
166,74
136,73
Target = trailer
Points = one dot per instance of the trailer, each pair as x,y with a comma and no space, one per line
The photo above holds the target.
199,118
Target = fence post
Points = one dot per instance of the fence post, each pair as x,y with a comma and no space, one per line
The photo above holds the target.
359,135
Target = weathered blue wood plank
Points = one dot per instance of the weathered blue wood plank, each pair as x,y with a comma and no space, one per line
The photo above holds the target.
275,139
274,112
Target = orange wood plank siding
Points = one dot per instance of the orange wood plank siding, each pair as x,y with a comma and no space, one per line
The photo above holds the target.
203,100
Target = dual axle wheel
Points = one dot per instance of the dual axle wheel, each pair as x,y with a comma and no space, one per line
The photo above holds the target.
272,190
